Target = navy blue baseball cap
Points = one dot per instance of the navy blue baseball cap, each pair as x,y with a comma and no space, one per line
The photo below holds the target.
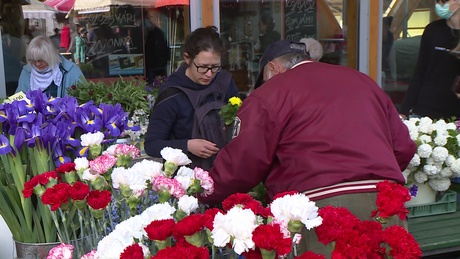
275,50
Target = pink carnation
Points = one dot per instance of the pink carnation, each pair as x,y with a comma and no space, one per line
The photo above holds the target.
102,164
90,255
162,183
61,251
127,150
206,181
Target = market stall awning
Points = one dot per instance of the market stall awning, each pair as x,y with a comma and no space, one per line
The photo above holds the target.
163,3
88,5
61,5
38,10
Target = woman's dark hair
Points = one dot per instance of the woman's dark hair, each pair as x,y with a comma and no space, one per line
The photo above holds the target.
268,21
204,39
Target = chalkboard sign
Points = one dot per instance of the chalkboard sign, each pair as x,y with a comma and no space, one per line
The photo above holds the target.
300,19
116,42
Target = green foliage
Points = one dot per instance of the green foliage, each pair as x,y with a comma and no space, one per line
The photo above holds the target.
228,111
259,193
131,94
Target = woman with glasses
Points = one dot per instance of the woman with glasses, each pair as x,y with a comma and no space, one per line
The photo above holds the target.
185,115
430,91
47,70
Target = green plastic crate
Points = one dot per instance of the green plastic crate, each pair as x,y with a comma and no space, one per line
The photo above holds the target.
447,204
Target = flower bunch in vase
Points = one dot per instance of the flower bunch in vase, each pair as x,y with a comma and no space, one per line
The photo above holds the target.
38,135
437,157
79,194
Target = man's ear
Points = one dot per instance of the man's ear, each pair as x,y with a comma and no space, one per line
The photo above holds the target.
273,67
187,58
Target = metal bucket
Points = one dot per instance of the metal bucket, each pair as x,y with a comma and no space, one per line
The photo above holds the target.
33,250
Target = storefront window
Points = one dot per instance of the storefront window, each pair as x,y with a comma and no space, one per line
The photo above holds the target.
248,27
121,41
402,30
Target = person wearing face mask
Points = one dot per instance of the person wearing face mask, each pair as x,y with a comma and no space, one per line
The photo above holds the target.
430,91
47,70
198,83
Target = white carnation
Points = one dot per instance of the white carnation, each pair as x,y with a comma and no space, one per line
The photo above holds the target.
92,139
187,204
296,207
185,177
158,211
81,163
237,226
175,156
148,169
110,150
127,177
88,176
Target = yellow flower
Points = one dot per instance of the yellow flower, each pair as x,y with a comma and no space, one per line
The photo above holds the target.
235,101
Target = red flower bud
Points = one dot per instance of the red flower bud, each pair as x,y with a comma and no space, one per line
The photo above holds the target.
73,87
90,92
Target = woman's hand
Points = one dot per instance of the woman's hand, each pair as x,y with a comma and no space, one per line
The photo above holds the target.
202,148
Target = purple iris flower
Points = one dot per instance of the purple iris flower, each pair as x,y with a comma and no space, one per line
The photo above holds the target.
5,146
413,190
33,133
19,137
87,121
59,156
38,100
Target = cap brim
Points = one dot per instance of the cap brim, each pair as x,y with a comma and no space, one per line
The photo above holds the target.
259,81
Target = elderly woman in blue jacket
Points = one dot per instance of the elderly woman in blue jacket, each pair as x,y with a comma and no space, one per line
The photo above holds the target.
47,70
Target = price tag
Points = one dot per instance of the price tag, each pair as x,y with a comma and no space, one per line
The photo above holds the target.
16,97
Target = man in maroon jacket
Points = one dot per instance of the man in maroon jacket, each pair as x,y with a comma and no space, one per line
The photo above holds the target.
325,130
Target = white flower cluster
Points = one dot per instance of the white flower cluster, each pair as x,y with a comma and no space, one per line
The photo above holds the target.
237,225
437,157
127,232
139,118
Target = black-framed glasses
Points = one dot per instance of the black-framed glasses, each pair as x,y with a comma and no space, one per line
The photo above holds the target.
204,70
